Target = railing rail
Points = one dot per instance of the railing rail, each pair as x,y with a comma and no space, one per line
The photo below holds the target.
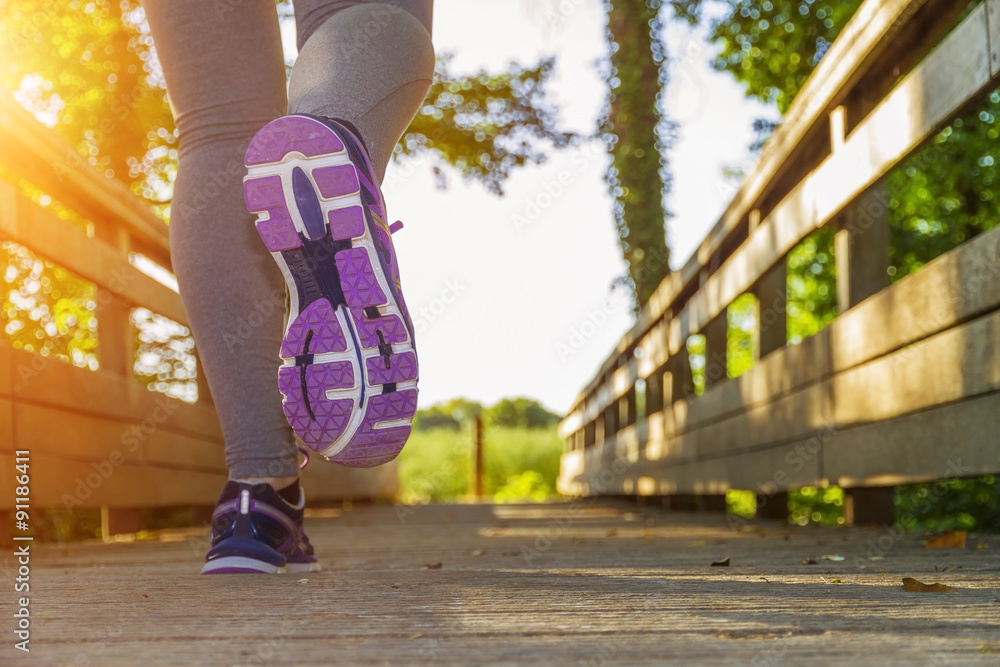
854,121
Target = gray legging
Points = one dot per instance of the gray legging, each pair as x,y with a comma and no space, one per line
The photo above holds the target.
369,63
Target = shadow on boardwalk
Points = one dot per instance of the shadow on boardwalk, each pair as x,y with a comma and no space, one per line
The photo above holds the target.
580,584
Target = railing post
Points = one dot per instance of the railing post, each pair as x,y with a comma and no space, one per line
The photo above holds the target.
773,505
114,325
862,248
715,349
116,520
477,458
682,382
865,505
629,412
772,302
654,392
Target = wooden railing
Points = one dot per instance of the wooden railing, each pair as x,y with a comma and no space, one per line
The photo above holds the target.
904,385
100,438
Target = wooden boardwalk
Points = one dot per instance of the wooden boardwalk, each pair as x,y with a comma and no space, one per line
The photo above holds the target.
579,583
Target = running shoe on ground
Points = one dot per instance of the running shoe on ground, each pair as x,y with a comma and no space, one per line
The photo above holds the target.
254,530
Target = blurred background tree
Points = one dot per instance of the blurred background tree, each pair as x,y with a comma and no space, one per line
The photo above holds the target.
637,135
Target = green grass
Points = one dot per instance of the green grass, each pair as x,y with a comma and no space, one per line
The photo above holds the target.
520,464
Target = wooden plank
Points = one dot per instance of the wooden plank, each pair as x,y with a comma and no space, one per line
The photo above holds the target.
8,208
959,285
51,382
767,471
613,584
947,441
93,259
328,482
7,370
956,364
782,420
60,482
44,430
918,106
7,441
993,22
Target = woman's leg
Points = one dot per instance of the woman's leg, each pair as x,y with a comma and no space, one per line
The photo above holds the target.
226,79
369,63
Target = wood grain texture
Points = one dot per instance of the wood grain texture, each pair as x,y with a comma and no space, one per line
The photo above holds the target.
562,584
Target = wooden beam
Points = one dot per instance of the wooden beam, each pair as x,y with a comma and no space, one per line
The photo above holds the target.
90,258
43,157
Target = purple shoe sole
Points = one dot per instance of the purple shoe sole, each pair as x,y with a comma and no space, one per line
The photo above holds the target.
349,366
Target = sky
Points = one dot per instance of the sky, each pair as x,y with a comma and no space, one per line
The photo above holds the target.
503,308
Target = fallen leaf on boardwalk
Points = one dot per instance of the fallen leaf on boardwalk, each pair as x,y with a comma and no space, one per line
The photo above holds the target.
611,533
913,586
697,543
721,563
836,581
953,540
432,566
302,581
478,552
833,558
982,545
947,569
808,561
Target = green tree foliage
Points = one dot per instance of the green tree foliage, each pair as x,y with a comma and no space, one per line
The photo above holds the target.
637,136
772,47
946,193
47,309
89,70
451,415
525,413
518,413
486,125
812,285
741,335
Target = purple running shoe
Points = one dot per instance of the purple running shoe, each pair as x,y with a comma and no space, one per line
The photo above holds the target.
349,366
254,530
